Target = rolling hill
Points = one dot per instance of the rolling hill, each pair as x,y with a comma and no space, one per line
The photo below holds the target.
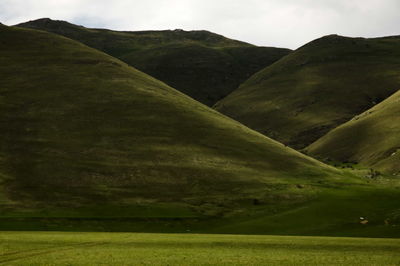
80,126
370,139
318,87
88,143
201,64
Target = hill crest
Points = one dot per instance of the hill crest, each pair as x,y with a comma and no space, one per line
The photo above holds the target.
314,89
204,65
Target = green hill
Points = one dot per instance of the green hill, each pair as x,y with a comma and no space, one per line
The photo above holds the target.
88,143
370,139
201,64
316,88
80,126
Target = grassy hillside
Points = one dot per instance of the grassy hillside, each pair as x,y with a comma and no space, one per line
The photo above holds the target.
316,88
202,64
88,143
80,127
370,139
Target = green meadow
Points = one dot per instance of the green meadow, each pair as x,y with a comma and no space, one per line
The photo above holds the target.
49,248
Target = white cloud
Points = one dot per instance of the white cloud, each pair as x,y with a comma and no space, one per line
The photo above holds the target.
286,23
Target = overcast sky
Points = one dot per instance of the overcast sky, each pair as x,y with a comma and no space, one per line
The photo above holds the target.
282,23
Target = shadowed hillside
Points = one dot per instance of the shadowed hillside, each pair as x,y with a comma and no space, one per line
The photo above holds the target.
201,64
316,88
80,126
371,139
88,143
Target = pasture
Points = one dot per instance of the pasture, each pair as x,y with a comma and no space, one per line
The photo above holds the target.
62,248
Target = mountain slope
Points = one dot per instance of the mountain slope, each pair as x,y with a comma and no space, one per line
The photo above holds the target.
80,126
316,88
203,65
371,139
88,143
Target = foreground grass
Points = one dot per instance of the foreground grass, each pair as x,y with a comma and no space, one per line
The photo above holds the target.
26,248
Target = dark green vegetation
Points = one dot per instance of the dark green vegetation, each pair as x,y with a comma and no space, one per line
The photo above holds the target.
370,139
41,248
201,64
81,128
316,88
90,143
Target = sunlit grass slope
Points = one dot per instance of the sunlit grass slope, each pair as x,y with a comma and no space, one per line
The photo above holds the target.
202,64
316,88
79,128
44,248
371,139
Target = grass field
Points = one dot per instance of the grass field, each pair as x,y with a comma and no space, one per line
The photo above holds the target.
49,248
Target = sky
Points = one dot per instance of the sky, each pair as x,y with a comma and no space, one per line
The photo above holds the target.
279,23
